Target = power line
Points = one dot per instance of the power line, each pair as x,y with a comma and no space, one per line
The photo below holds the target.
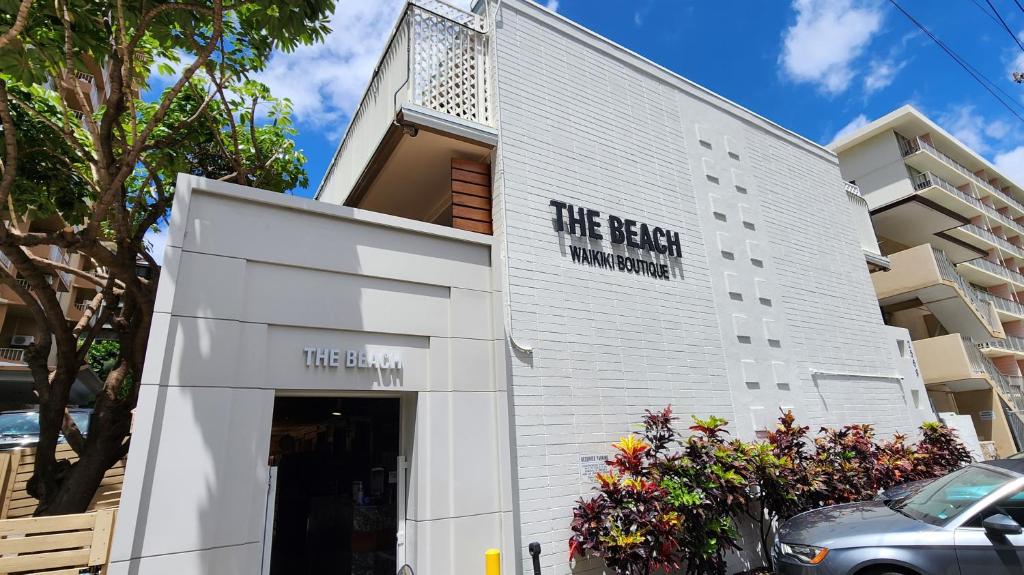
978,76
1005,26
1019,5
986,12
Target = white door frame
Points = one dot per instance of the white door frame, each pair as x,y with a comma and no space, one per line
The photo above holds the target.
268,525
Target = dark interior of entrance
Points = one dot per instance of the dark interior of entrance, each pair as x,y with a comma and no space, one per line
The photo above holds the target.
335,507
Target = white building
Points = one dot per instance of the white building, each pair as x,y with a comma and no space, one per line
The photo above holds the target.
551,234
953,227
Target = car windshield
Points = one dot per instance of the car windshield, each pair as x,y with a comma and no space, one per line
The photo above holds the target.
19,423
944,499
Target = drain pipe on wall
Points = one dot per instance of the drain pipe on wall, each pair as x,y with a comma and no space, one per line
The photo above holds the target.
521,347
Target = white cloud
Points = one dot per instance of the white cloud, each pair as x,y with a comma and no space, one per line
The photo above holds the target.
551,5
825,40
880,74
157,241
997,129
325,82
1011,164
972,129
854,125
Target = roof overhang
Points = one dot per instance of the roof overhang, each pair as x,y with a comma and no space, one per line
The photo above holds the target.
930,222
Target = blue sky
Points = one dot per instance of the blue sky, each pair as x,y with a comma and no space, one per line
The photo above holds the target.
814,66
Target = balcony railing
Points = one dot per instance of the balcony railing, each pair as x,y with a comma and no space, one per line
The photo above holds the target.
996,269
926,180
910,146
992,238
437,59
947,271
12,354
1001,303
1008,343
983,365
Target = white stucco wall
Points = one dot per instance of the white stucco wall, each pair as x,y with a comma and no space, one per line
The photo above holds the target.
878,168
250,278
586,122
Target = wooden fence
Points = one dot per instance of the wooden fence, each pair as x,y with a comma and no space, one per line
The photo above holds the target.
16,469
58,545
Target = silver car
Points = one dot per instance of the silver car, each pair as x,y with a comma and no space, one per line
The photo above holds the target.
964,523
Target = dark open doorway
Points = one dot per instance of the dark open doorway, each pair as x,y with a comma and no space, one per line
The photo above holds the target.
336,504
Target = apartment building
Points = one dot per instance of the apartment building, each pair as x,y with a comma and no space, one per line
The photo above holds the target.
17,326
952,227
529,235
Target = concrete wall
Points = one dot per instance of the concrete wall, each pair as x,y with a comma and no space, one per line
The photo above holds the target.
250,278
876,166
771,305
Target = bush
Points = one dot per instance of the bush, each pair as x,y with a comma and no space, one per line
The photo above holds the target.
669,503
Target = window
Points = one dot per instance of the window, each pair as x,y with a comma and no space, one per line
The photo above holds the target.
946,498
1013,506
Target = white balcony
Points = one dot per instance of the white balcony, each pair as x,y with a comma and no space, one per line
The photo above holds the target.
924,156
430,99
923,276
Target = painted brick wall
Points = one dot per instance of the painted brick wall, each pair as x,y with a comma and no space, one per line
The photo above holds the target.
583,122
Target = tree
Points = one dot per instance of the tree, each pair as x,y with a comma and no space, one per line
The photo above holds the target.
90,138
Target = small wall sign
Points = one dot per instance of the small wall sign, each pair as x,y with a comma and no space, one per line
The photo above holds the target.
591,465
351,358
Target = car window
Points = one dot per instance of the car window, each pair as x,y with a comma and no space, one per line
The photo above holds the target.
1011,505
946,498
19,423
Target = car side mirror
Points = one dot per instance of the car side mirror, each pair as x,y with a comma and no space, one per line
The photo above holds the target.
1001,524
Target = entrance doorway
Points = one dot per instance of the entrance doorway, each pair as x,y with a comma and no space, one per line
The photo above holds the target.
334,462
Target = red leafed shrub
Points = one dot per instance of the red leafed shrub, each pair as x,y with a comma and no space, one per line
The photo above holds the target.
940,452
669,503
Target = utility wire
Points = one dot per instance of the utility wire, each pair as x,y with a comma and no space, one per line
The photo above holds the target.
1005,26
1019,5
978,76
986,12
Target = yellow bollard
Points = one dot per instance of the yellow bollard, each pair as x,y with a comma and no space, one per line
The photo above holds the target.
492,559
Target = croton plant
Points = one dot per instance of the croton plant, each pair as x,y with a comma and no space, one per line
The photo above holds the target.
669,503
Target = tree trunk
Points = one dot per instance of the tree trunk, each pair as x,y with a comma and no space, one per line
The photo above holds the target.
104,446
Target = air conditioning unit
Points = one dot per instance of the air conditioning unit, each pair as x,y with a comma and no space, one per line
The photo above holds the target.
22,340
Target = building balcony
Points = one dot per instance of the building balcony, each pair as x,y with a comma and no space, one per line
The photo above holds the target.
954,363
923,276
1007,345
429,105
924,156
988,273
978,235
1003,306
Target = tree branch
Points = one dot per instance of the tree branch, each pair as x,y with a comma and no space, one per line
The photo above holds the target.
104,202
10,147
19,23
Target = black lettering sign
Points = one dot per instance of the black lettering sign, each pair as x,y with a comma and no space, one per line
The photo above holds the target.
586,223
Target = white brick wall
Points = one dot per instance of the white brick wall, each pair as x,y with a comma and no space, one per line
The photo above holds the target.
584,122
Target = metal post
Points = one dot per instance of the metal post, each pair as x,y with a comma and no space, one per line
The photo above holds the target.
492,561
535,554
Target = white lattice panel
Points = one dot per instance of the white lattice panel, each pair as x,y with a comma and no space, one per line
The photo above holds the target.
449,64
